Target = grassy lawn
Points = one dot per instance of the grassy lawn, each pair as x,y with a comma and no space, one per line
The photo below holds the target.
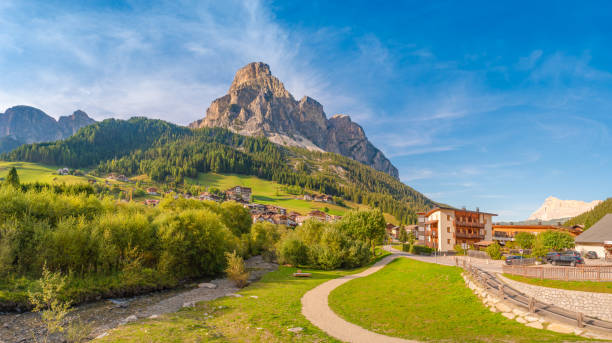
267,192
428,302
585,286
33,172
246,319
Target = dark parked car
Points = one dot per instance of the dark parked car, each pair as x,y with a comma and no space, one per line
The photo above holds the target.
551,255
591,255
510,258
571,258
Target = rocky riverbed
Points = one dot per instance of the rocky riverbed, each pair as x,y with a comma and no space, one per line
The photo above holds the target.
101,316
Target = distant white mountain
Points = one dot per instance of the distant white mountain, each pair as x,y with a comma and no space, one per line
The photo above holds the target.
554,208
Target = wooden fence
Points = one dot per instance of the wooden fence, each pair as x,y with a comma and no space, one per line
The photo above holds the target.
478,254
580,273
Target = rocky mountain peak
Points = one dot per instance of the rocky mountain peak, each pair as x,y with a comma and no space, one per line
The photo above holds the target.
26,124
258,104
257,76
555,208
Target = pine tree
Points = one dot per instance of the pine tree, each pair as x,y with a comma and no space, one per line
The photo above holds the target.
12,178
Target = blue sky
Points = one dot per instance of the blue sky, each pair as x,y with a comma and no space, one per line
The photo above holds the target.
477,103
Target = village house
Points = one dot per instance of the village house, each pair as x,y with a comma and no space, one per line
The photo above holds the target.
324,198
307,197
151,202
255,208
506,233
597,238
63,171
239,193
275,209
152,191
446,227
122,178
392,230
209,197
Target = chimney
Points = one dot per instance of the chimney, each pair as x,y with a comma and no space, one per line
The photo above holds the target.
477,209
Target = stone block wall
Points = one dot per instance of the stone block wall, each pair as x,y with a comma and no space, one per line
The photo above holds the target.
598,305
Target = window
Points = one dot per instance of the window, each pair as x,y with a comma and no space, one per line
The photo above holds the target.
448,229
448,217
448,241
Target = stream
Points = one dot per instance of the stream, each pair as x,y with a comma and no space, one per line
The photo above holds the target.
104,315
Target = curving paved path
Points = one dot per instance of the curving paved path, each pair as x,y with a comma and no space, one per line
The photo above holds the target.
315,308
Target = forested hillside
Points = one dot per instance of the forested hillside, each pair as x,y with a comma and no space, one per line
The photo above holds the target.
169,153
593,216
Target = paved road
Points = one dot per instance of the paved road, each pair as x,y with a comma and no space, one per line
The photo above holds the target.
316,309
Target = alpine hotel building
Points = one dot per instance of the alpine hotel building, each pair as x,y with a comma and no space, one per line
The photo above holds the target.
443,228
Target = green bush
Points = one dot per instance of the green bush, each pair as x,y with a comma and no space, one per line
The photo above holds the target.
406,247
293,251
459,249
421,250
494,250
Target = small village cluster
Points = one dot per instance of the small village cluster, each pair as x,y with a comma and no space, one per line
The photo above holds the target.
259,212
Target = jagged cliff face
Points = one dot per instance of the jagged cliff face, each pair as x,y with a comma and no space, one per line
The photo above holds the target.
24,125
258,104
554,208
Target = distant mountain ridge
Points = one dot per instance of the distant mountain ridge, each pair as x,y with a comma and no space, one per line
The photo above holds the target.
557,209
258,104
24,125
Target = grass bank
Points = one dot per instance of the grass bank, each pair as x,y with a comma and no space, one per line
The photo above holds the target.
428,302
264,313
585,286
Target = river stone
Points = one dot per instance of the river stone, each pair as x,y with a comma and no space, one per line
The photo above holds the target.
503,307
153,316
207,285
560,328
535,325
189,304
233,295
531,318
520,312
509,315
254,297
521,320
296,329
578,331
130,319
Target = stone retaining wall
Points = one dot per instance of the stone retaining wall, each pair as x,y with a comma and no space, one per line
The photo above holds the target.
598,305
522,316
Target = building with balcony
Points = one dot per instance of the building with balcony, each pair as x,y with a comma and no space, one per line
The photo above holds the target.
442,228
505,233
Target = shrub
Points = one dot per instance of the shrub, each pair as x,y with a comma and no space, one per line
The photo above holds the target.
292,251
421,250
406,247
494,251
236,270
194,242
358,254
459,249
524,240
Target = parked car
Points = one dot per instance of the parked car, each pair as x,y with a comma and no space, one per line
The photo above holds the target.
571,258
551,255
591,255
511,258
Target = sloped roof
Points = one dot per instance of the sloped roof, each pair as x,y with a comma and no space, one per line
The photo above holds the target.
598,233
